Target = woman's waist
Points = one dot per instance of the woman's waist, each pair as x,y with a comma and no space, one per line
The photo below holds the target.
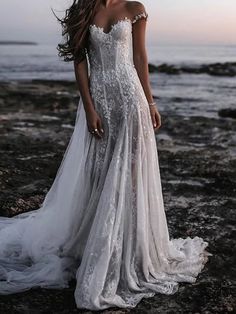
117,69
113,80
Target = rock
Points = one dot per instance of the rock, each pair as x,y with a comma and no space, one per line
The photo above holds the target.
227,113
164,68
220,69
215,69
152,68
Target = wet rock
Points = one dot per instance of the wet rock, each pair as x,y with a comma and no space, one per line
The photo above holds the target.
152,68
227,113
220,69
164,68
215,69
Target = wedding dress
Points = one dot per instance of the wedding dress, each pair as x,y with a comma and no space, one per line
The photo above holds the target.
103,220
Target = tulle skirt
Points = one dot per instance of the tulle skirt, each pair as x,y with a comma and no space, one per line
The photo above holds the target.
102,223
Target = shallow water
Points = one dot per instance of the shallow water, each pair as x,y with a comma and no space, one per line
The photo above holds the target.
194,95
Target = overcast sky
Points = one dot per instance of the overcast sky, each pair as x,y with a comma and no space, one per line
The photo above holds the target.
170,21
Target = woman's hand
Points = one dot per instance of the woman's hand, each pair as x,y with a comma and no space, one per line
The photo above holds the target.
93,120
156,117
94,123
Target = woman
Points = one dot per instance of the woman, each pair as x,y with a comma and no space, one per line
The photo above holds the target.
103,220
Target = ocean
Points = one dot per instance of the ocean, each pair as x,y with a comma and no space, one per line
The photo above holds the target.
22,62
186,94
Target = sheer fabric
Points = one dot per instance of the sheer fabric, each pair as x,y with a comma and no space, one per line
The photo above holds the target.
103,220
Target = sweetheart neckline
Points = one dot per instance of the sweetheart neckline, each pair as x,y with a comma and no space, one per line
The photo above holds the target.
126,19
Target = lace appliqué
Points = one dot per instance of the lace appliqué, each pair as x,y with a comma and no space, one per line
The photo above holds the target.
140,16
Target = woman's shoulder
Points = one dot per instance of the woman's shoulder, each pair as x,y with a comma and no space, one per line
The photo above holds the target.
136,11
135,7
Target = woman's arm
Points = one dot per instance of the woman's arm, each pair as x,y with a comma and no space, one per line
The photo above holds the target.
93,120
141,65
81,74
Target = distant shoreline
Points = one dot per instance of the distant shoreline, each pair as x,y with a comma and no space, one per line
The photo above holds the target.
19,43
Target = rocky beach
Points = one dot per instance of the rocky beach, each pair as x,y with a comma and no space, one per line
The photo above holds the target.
198,168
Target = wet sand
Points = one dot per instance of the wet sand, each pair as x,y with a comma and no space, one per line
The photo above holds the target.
198,169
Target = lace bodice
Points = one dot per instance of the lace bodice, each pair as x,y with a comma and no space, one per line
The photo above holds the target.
113,49
114,82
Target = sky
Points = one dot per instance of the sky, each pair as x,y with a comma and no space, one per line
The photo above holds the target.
170,21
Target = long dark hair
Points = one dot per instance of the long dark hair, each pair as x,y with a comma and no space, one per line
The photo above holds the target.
75,27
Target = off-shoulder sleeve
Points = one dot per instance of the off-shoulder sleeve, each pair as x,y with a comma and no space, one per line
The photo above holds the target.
140,16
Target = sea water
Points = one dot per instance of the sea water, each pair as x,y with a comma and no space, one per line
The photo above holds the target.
186,94
19,62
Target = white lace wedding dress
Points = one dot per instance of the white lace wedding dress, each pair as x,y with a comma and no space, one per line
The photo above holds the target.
103,220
